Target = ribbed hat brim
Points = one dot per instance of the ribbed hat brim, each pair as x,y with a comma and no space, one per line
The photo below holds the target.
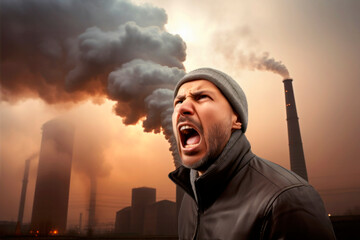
227,85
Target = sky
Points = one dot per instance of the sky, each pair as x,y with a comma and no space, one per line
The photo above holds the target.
112,73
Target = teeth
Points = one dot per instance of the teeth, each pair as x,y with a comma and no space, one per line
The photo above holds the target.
185,127
190,145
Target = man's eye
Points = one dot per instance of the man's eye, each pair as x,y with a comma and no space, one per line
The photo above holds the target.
202,96
177,102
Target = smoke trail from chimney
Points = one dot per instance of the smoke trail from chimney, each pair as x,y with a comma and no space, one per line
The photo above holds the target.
231,43
263,62
69,51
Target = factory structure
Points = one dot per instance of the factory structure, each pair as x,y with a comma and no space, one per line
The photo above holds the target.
50,207
145,216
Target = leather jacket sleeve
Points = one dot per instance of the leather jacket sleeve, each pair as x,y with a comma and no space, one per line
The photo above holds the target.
300,217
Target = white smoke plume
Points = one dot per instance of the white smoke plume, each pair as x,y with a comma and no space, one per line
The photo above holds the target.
262,62
69,51
231,44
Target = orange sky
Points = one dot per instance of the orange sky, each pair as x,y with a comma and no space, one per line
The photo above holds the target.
319,42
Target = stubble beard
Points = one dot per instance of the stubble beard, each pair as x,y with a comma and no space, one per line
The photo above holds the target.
217,139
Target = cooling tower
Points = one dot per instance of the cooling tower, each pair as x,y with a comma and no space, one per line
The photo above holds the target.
297,159
51,197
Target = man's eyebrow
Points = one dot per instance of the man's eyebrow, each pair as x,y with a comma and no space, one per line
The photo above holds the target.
200,92
193,94
180,97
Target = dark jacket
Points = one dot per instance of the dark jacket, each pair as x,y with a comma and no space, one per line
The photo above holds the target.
242,196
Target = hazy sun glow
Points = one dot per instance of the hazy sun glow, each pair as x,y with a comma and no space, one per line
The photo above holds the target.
183,29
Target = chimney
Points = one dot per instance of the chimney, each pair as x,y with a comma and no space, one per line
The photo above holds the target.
297,159
92,206
23,197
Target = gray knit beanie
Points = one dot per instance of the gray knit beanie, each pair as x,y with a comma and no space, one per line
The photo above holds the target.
228,86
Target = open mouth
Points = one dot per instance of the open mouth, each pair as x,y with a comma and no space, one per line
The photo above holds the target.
189,136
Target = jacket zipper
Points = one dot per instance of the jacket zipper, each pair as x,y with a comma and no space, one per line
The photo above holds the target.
197,225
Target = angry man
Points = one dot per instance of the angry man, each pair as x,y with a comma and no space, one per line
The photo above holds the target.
230,193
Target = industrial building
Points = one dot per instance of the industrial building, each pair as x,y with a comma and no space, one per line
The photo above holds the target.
145,216
122,221
160,218
141,198
51,197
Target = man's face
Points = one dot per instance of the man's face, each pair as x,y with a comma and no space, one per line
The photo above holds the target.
202,122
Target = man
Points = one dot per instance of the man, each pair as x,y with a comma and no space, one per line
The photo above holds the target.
230,192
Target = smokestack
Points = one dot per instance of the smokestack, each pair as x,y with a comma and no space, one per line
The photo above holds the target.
80,223
92,205
23,195
297,159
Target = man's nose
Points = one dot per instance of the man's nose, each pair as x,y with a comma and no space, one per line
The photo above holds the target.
186,108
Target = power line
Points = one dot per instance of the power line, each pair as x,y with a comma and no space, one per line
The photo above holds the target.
337,191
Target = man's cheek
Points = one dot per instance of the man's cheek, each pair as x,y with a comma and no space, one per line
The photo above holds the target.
174,124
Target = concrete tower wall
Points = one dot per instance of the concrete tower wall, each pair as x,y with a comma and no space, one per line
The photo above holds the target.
161,218
297,159
53,178
122,221
141,197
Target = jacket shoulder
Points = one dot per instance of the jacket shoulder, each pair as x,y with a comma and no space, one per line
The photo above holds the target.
294,209
276,174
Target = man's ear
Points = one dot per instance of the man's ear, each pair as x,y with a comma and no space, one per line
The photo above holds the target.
236,124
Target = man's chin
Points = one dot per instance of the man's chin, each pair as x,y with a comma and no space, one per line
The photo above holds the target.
194,163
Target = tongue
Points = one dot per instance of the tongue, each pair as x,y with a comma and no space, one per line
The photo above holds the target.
193,140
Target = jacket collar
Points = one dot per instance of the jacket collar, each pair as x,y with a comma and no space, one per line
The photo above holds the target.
214,180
